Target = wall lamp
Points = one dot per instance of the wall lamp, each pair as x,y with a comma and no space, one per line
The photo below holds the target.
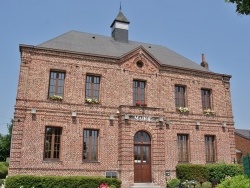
224,124
111,119
126,118
168,122
198,124
73,115
161,122
33,113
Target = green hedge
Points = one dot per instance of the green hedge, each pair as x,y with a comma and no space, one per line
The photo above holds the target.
25,181
3,170
208,172
192,171
221,171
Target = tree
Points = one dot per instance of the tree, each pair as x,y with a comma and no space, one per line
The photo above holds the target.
5,141
242,6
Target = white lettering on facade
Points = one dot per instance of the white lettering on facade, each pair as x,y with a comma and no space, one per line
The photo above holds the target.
142,118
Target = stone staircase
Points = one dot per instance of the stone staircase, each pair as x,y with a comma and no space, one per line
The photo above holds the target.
145,185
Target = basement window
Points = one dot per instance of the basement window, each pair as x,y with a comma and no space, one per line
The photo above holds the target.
111,174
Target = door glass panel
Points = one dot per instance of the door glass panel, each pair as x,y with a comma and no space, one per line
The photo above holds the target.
145,154
137,156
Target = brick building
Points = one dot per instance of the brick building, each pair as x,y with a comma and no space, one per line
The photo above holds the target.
242,143
107,106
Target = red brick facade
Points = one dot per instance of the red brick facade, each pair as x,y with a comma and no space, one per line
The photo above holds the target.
116,137
242,143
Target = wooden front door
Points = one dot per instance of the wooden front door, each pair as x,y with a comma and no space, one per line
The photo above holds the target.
142,157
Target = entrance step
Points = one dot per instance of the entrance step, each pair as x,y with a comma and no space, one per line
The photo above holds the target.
145,185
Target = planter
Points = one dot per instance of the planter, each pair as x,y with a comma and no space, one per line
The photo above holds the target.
183,109
209,112
56,98
92,101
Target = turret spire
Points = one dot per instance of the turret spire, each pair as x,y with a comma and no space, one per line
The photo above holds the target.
120,27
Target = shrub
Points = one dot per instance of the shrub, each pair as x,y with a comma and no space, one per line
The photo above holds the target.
112,186
173,183
220,171
209,172
1,182
191,172
3,170
236,181
59,181
206,184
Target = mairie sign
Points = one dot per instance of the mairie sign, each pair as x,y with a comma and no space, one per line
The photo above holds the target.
143,118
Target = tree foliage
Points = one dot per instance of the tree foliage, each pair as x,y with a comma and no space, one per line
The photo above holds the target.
5,141
242,6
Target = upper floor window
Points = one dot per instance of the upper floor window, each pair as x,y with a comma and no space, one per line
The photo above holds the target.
210,148
56,83
206,98
182,148
52,142
180,96
90,145
139,92
92,87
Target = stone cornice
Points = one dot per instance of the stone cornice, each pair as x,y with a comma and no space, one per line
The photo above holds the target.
111,59
67,54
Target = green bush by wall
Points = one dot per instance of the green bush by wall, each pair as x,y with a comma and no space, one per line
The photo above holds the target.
191,172
59,182
240,181
208,172
221,171
3,170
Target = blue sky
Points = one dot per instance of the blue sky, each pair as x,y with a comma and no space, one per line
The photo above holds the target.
189,28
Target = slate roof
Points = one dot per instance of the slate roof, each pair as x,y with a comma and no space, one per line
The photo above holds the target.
243,132
82,42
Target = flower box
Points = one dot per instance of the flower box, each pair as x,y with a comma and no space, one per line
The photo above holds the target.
183,109
92,100
56,98
208,111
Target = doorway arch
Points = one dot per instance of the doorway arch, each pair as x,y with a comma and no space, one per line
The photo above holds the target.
142,157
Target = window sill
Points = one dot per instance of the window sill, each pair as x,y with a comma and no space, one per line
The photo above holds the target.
56,100
141,105
51,161
92,103
97,162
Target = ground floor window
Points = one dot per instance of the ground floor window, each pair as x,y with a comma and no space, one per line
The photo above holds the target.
182,147
90,145
52,142
210,148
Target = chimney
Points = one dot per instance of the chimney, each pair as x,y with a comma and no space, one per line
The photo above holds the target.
203,62
120,28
